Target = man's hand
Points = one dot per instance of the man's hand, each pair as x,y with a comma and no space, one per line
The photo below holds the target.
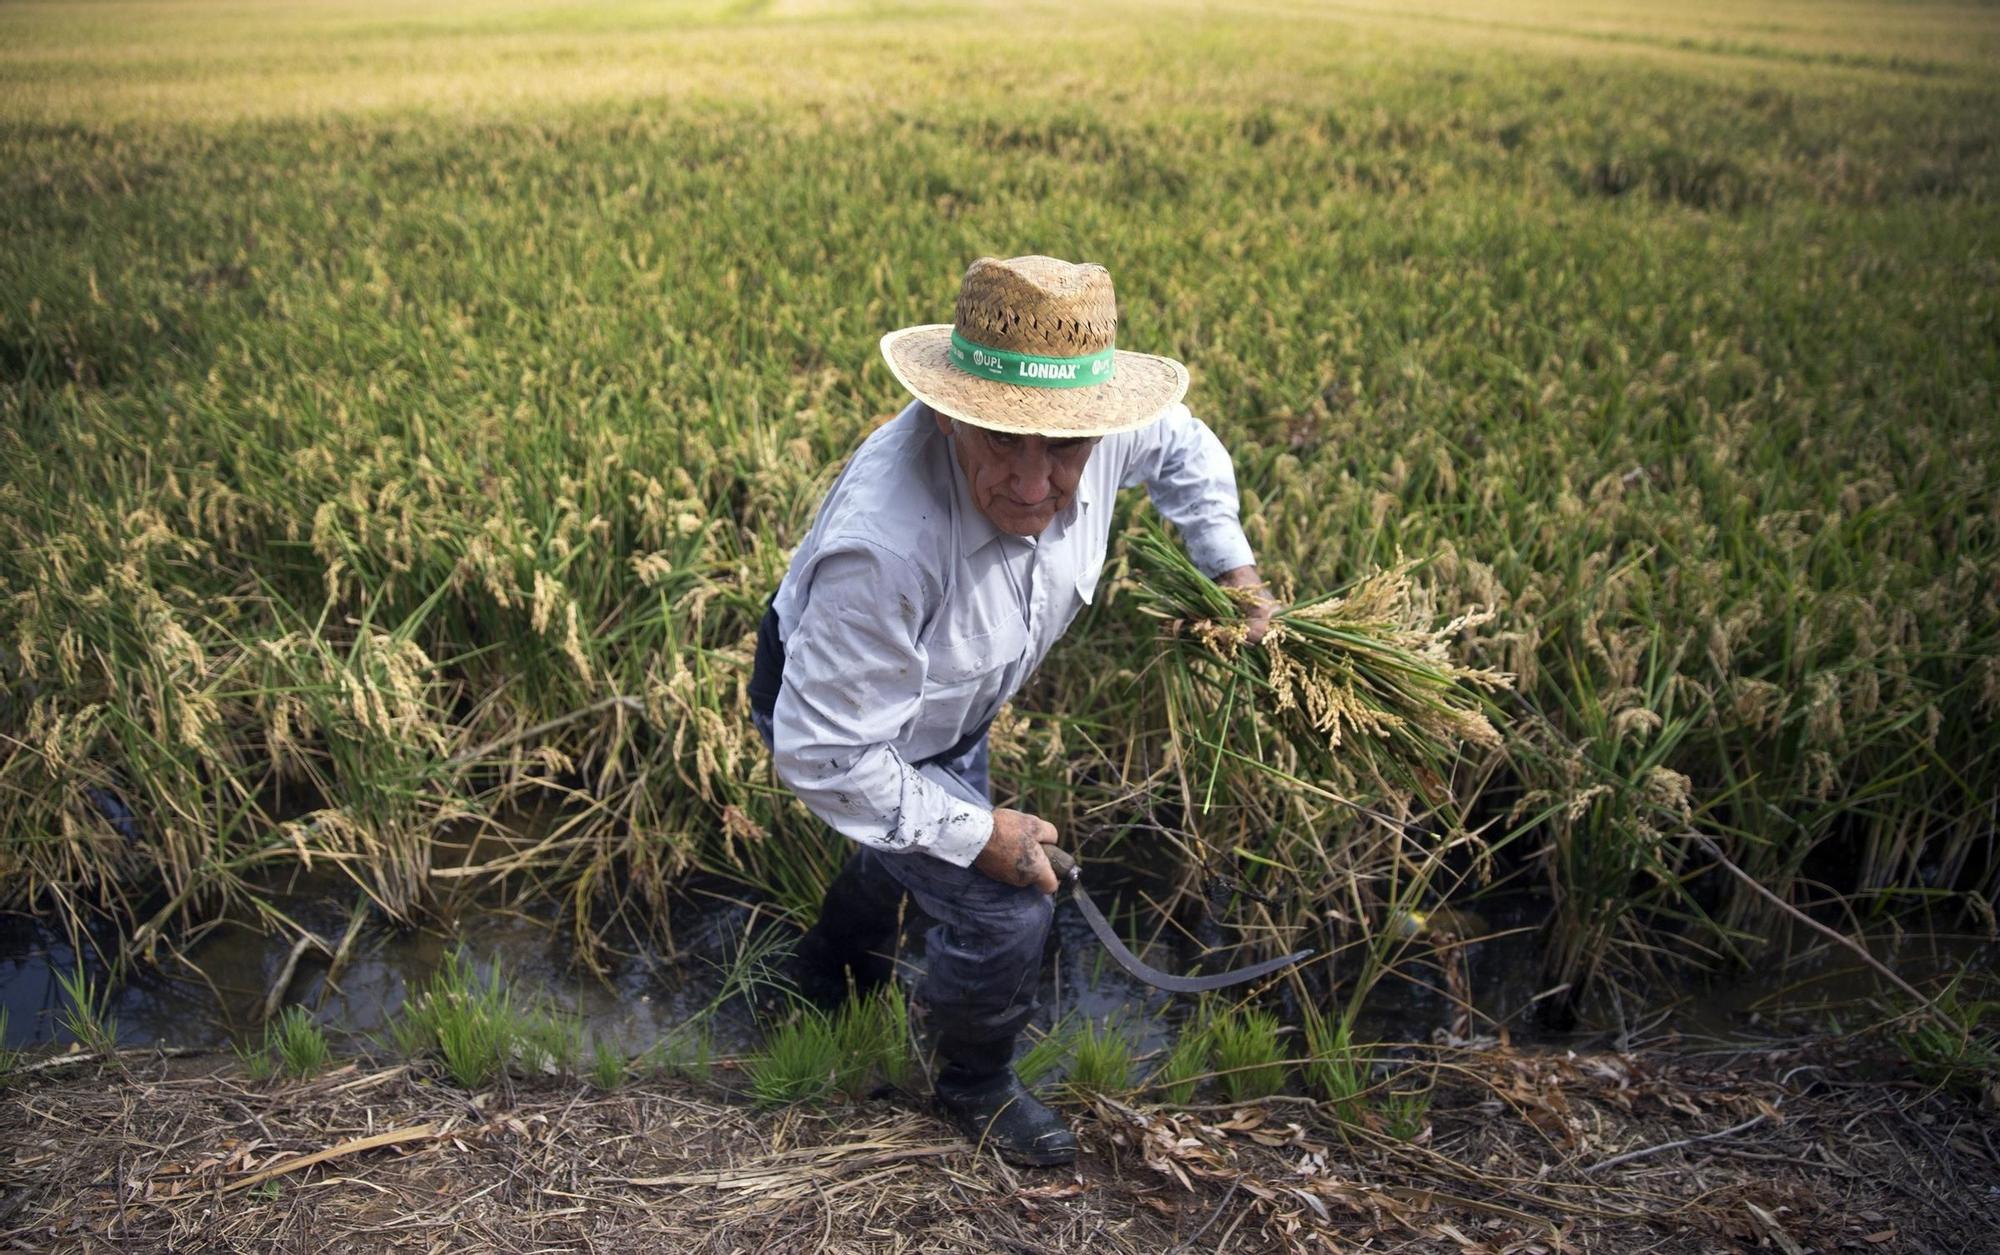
1014,854
1257,613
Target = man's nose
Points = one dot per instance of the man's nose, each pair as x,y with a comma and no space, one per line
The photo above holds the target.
1032,481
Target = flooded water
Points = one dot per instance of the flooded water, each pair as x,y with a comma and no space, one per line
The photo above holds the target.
636,999
644,992
640,995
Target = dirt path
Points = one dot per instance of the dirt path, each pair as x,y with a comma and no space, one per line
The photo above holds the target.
1523,1152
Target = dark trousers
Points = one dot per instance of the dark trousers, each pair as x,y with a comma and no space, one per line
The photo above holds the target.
983,954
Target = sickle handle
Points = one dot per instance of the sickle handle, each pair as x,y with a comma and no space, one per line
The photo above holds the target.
1064,865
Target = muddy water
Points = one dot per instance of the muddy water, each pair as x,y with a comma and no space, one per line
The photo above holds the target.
642,993
636,999
645,991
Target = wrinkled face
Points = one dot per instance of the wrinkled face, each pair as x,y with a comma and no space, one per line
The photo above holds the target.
1020,483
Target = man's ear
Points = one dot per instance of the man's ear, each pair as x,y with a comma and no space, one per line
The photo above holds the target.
943,420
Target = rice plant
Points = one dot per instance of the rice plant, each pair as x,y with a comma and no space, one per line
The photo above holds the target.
802,1060
470,1026
10,1058
1100,1061
549,1040
874,1038
1368,669
1250,1059
1405,1113
1335,1070
300,1043
87,1018
1320,756
1048,1052
1615,813
686,1053
400,534
607,1064
1185,1064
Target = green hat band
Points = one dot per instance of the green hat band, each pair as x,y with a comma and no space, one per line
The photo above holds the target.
1031,369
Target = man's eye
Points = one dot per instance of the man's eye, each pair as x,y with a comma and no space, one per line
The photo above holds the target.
1003,441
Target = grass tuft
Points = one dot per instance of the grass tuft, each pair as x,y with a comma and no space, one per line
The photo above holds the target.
1335,1070
1100,1061
813,1055
607,1064
874,1038
685,1053
259,1061
10,1058
1960,1047
1405,1113
1048,1052
469,1025
297,1043
802,1061
1186,1063
87,1018
1249,1057
549,1041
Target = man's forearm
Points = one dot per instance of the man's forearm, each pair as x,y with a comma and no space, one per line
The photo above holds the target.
874,797
1241,577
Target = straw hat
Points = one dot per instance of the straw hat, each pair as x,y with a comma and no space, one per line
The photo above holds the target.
1030,351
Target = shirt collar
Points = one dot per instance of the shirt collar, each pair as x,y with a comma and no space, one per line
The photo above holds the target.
1086,484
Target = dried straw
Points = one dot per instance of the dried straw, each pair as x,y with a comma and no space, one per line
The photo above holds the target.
1521,1151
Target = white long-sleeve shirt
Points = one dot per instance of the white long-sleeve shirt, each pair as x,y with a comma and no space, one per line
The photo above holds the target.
908,618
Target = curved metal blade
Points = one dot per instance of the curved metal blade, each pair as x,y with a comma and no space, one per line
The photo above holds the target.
1162,980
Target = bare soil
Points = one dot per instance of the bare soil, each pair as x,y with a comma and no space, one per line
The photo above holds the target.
1783,1149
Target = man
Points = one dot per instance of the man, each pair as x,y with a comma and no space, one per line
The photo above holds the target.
946,560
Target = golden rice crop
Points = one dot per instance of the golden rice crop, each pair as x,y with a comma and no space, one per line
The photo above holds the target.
403,424
1368,669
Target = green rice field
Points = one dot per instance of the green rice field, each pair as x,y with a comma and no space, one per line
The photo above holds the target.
404,416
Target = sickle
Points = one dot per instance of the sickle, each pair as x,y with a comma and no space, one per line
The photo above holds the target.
1068,871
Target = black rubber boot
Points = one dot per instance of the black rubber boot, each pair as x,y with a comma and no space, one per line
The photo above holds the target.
982,1096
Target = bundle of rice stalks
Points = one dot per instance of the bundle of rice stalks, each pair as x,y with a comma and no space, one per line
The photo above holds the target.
1365,672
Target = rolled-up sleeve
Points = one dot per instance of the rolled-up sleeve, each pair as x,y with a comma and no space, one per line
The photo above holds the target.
1188,474
854,680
